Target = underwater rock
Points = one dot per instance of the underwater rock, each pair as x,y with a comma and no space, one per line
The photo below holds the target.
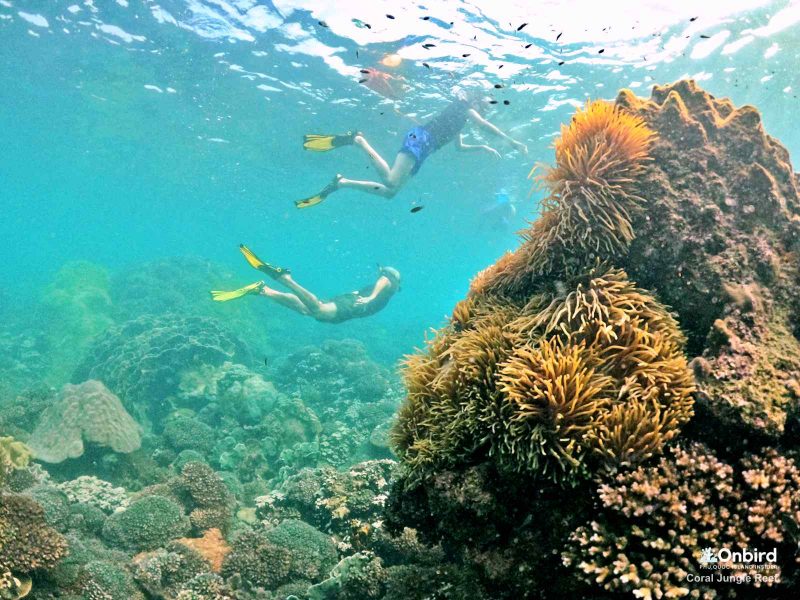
717,242
142,360
86,412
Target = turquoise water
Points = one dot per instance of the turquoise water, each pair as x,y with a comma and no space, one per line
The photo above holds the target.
140,130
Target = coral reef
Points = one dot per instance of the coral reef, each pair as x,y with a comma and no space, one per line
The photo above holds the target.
89,412
142,360
562,376
205,495
75,308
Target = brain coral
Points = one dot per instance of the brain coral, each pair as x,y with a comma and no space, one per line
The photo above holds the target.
146,524
86,412
142,360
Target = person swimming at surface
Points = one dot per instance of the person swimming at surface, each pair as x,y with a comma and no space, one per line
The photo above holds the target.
419,143
344,307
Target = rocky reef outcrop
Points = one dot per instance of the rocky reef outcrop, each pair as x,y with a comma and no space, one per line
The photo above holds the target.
620,393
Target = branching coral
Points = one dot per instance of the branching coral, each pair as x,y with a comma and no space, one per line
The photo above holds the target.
90,412
655,521
27,543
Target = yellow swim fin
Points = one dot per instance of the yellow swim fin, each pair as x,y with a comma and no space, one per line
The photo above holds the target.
257,263
223,296
322,143
317,198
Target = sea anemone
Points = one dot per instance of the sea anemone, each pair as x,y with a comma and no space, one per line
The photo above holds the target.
592,195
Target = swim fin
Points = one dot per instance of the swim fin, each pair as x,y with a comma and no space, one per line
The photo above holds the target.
317,198
223,296
322,143
257,263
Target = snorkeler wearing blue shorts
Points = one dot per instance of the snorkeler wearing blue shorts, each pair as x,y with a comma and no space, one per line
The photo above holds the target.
419,143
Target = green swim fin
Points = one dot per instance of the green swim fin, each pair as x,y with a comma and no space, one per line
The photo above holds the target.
317,198
223,296
257,263
322,143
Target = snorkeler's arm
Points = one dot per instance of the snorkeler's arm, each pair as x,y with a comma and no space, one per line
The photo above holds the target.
460,145
380,285
492,128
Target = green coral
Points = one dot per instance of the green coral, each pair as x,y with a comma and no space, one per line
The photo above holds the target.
146,524
105,580
189,433
13,455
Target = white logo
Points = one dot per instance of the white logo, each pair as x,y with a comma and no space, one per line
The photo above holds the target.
708,556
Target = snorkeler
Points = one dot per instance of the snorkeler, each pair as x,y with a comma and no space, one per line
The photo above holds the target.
419,143
353,305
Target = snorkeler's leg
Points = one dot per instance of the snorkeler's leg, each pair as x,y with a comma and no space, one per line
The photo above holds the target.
322,311
397,177
377,160
285,299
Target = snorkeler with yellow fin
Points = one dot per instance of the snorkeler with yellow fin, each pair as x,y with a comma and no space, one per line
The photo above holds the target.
353,305
418,144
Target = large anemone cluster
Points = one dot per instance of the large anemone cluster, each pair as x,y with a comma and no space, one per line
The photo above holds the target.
545,378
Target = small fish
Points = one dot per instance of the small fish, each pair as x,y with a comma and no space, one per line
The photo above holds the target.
417,209
363,80
356,53
465,55
521,27
492,101
497,86
322,23
365,71
560,63
426,18
500,67
426,65
528,45
506,102
705,37
558,37
390,16
266,364
693,19
428,46
601,50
